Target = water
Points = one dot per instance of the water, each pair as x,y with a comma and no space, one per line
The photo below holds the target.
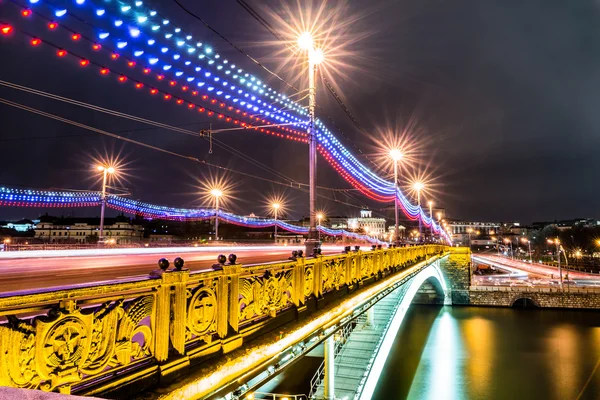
494,353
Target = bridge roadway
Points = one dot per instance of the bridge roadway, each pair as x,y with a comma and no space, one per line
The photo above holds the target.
535,273
47,269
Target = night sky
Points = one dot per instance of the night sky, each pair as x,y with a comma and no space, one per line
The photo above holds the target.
500,96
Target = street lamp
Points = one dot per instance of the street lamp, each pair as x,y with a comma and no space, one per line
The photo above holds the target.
525,240
315,57
396,156
430,204
320,218
557,243
106,170
418,186
508,241
276,207
216,193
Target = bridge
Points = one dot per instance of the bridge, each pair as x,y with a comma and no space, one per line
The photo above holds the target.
117,338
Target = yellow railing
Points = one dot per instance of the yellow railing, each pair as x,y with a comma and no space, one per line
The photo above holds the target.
95,338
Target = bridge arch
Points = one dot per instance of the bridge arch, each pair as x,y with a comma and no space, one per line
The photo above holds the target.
521,301
431,275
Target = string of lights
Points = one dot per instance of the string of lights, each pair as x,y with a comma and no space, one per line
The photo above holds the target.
61,199
353,171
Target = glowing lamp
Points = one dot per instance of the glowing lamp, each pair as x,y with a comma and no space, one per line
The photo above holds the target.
305,41
139,85
131,63
104,71
146,70
216,193
418,186
122,78
26,12
76,36
84,63
110,170
317,56
35,42
60,13
52,25
96,47
395,154
114,56
61,53
100,12
6,29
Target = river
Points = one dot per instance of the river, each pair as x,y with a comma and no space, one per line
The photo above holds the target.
494,353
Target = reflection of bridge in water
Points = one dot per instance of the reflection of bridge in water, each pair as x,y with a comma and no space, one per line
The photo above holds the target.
223,331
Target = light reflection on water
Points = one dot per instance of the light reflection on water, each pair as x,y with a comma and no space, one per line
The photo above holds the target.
493,353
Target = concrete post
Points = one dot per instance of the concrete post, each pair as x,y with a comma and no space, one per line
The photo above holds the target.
371,316
329,344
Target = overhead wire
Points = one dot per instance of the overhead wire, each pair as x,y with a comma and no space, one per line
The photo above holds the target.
152,147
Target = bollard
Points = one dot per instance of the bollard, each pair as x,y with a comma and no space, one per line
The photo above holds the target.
163,264
232,259
178,263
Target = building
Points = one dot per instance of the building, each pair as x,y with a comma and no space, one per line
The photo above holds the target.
86,230
366,223
337,222
22,225
463,231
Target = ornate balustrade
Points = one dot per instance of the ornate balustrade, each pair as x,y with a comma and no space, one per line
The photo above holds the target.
93,339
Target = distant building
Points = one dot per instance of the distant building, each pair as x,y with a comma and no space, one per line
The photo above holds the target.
337,222
366,223
86,230
462,231
22,225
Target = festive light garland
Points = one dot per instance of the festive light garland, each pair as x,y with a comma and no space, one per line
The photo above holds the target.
340,158
38,198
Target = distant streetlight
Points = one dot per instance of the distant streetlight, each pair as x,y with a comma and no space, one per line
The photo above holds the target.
106,171
276,207
430,204
319,218
418,186
396,156
508,241
557,243
525,240
216,193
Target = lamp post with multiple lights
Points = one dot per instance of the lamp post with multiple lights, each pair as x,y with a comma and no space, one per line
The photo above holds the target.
396,156
315,57
216,193
106,171
525,240
276,207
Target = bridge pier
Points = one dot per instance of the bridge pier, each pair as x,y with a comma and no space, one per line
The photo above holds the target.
329,367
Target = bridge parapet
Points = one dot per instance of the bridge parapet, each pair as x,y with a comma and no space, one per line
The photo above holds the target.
98,338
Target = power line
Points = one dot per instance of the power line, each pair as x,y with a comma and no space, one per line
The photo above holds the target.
159,149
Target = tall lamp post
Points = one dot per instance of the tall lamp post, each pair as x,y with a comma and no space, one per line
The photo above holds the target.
276,207
315,57
396,156
319,218
430,204
216,193
557,243
524,240
418,186
106,170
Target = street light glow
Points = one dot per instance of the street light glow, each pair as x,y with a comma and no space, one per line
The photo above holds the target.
276,206
418,186
396,154
317,56
216,192
305,41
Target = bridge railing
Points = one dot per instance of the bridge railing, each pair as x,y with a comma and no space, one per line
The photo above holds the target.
96,338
